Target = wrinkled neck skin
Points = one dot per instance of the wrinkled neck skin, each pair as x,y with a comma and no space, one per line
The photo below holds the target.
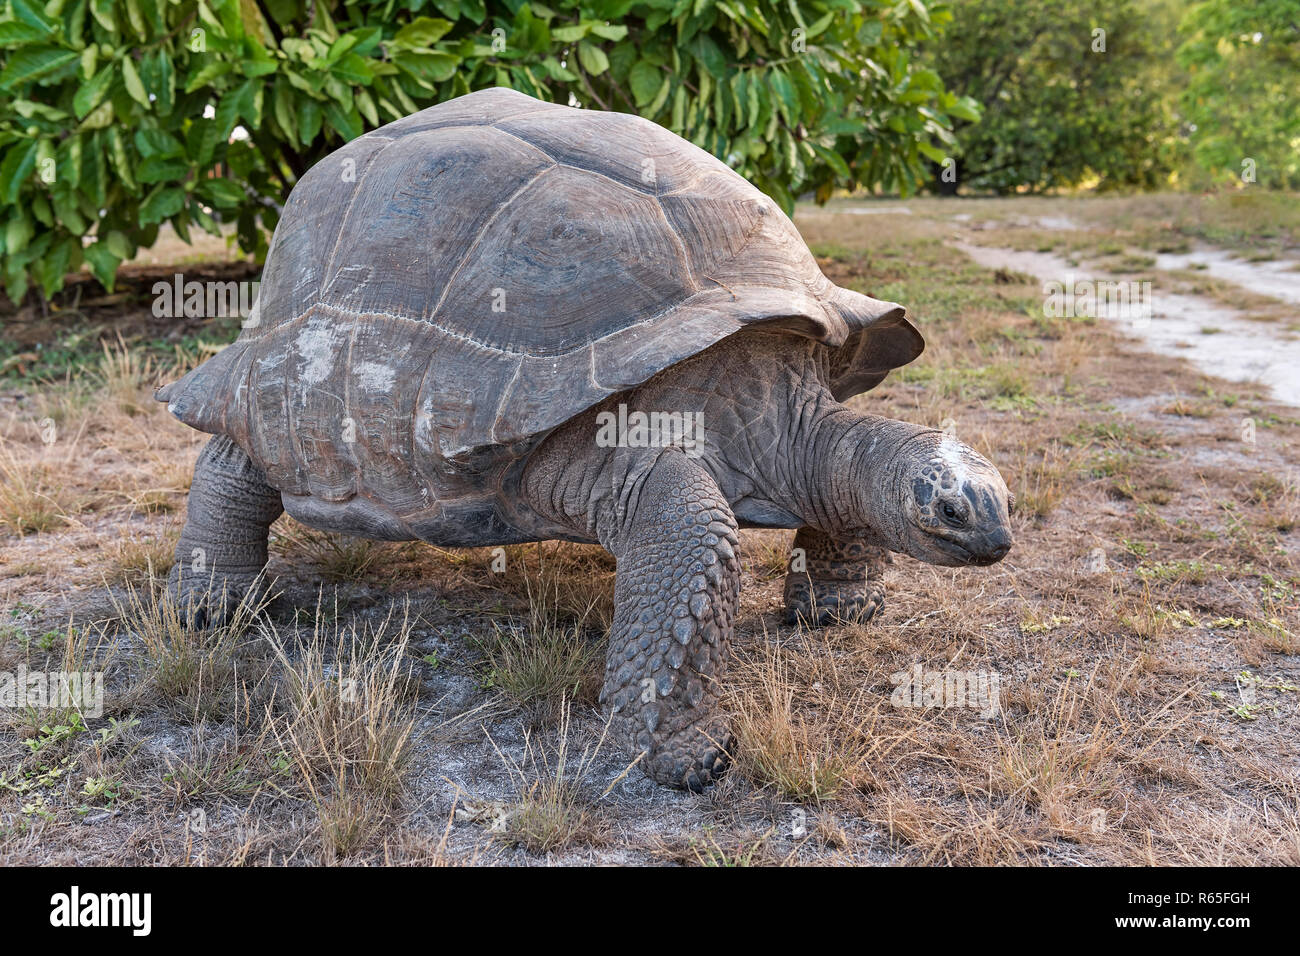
855,487
784,453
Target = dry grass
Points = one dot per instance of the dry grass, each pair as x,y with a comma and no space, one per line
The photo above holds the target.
569,583
807,739
351,707
33,495
335,557
349,712
549,809
141,559
71,650
122,375
1042,480
549,658
194,669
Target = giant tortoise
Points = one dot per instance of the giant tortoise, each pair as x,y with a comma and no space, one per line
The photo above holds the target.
502,320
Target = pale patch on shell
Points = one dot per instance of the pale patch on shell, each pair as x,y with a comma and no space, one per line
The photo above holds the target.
316,346
375,376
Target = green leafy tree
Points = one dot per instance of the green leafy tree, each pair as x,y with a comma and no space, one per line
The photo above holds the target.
1063,103
117,116
1243,93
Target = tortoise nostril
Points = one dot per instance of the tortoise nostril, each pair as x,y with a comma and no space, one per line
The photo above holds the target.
997,544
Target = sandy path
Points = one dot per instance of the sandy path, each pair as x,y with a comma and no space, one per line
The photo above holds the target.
1240,350
1279,278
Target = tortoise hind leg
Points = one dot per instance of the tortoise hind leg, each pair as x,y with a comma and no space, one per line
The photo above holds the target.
222,548
841,582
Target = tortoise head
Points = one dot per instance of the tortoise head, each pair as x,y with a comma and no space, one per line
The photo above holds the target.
953,508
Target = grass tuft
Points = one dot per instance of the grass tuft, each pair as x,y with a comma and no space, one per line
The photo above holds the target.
351,694
546,660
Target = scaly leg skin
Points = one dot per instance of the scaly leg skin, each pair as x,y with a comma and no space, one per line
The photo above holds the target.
840,584
222,548
675,598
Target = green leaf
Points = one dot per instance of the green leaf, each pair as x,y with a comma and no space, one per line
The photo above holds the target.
710,54
231,107
661,97
100,117
557,72
163,76
965,108
32,15
105,12
834,160
132,80
309,121
117,152
345,122
32,63
283,108
429,68
256,68
355,70
645,81
207,74
933,152
135,19
16,167
68,215
92,93
368,39
570,34
14,33
103,264
788,98
592,58
530,33
162,203
366,107
222,193
53,266
158,169
18,233
421,32
818,26
609,31
119,245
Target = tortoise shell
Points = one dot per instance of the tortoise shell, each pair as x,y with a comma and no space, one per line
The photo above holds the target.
443,291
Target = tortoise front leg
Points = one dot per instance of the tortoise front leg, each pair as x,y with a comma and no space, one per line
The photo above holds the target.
841,582
675,599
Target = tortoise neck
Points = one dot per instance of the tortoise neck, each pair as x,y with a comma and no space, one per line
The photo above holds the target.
853,474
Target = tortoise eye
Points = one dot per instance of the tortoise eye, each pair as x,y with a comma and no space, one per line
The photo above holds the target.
951,515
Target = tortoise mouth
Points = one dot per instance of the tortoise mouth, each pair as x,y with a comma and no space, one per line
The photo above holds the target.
989,549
